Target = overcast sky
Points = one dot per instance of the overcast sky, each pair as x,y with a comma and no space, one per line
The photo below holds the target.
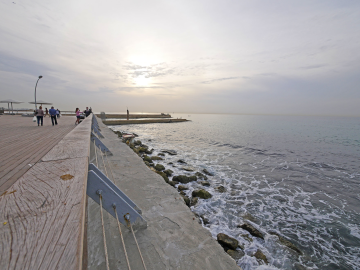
211,56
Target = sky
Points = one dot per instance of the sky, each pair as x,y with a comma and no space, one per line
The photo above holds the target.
196,56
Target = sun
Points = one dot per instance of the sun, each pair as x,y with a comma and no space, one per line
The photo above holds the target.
142,81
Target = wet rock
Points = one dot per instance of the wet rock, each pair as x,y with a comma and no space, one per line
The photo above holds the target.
235,254
186,200
168,172
245,236
159,167
207,172
188,169
227,242
149,140
170,152
201,193
201,176
147,163
149,152
135,135
194,201
182,193
137,142
173,183
205,183
180,187
163,176
205,220
252,230
221,189
152,164
161,154
286,243
136,150
142,149
260,256
170,163
181,161
156,158
118,133
250,217
147,158
132,146
184,179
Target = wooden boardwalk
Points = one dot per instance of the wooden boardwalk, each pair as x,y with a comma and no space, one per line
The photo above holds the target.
43,214
23,143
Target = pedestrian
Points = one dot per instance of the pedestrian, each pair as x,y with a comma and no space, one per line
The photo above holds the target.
87,112
77,111
46,112
57,113
39,115
52,112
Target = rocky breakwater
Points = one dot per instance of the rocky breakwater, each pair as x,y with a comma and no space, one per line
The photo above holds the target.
195,185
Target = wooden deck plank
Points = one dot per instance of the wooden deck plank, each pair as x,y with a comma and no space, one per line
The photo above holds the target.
45,215
22,142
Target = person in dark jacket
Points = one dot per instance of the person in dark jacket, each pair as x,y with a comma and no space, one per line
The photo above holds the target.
52,113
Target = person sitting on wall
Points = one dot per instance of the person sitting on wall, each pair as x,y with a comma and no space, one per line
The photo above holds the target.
87,112
53,113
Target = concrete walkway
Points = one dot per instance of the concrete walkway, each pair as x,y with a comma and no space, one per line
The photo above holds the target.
173,240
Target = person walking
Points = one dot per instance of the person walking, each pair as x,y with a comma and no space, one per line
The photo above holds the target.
57,113
46,112
77,111
52,112
39,115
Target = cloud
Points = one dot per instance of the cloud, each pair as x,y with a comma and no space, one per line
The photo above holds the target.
220,79
313,66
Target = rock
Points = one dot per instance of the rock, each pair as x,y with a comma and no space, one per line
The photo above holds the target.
201,176
180,187
171,152
188,169
205,183
252,230
149,152
227,242
201,193
173,183
235,254
137,142
170,163
205,220
132,146
142,149
221,189
152,164
159,167
144,146
118,133
136,150
194,201
181,161
207,172
135,135
163,176
156,158
147,163
186,200
184,179
245,236
168,172
161,154
260,256
149,140
147,158
287,243
250,217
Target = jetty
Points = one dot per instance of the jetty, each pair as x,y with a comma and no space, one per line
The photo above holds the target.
133,116
49,219
141,121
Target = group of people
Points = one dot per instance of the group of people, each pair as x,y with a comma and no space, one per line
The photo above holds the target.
54,114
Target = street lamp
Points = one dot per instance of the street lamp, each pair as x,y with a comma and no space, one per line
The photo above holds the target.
35,90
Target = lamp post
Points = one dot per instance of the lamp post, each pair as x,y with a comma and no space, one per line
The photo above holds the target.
35,90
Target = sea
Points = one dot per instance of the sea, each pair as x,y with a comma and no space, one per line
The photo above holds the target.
296,176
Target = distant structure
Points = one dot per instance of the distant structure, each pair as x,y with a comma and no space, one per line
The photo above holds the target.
127,114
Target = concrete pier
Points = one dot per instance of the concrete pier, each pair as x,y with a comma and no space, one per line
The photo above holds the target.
141,121
174,238
134,116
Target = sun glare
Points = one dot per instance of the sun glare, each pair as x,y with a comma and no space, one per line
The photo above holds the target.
141,81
